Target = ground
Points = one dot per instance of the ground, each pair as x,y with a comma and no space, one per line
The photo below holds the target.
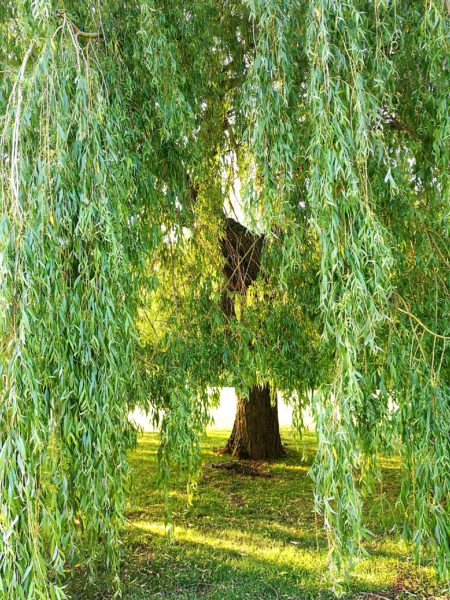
254,537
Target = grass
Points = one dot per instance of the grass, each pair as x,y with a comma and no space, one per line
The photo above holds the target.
252,537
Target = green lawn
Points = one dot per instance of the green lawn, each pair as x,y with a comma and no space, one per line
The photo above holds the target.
253,538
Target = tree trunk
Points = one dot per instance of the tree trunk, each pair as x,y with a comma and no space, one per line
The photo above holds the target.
256,432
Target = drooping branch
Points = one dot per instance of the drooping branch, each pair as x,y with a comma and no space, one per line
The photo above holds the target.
91,35
406,311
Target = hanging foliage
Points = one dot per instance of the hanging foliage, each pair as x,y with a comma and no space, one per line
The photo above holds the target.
128,137
67,330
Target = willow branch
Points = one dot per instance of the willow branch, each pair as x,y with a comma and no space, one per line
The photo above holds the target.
405,311
91,35
436,247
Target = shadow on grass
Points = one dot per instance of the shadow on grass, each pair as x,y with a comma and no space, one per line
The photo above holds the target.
247,538
201,566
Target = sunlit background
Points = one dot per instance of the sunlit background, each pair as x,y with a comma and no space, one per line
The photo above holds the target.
223,416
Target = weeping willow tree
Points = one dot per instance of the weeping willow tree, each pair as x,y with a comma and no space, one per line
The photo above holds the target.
130,133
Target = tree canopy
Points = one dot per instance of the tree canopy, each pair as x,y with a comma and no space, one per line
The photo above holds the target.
129,132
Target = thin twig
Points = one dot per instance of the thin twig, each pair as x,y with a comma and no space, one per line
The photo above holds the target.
436,247
15,179
409,314
92,35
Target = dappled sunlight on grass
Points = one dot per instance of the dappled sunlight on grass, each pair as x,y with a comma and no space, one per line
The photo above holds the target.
243,544
253,537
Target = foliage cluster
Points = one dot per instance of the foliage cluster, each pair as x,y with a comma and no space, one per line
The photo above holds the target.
127,129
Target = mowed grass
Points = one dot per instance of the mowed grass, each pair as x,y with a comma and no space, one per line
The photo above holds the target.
253,537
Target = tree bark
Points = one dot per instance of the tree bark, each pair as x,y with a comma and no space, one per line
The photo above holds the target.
256,432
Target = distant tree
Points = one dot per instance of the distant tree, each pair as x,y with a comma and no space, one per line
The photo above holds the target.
130,133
